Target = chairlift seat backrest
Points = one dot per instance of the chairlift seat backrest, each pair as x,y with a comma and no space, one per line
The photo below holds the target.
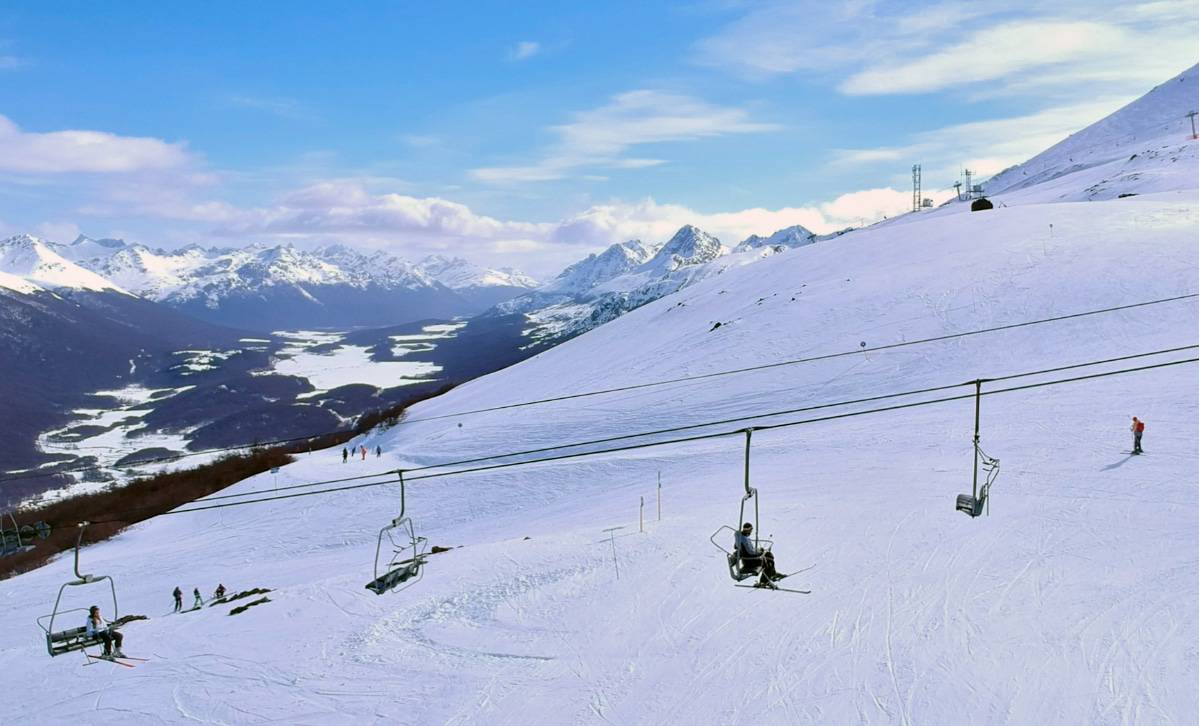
970,505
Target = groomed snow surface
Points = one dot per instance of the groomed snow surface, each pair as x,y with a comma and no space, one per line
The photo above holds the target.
1074,602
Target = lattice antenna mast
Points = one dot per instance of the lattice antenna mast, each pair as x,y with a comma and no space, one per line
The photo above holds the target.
969,189
916,194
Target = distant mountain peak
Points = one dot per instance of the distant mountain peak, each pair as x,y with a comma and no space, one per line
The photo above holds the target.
793,236
35,260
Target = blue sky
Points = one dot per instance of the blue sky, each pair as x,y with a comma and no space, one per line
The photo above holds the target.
532,133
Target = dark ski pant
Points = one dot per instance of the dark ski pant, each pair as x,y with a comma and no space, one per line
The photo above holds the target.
109,637
757,564
178,603
1136,441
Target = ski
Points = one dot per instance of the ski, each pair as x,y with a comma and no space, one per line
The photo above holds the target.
94,659
789,574
779,589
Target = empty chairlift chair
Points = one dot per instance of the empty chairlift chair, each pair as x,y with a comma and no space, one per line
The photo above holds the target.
405,564
975,503
74,638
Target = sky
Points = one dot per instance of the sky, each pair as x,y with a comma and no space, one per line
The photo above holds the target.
530,134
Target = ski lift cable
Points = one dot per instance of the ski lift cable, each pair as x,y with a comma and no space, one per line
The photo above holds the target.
697,437
631,387
707,424
737,419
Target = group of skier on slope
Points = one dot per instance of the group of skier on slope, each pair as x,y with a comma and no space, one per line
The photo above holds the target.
361,450
199,601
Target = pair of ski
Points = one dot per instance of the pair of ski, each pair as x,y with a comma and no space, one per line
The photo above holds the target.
771,586
93,659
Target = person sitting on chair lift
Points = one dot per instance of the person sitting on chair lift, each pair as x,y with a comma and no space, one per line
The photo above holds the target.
753,559
97,627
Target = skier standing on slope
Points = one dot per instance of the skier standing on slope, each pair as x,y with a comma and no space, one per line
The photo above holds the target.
220,591
752,558
363,448
98,627
1138,429
378,451
178,594
199,600
345,454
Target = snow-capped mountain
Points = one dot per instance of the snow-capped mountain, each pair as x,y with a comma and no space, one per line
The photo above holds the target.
597,269
480,285
34,262
626,276
787,238
1142,148
267,287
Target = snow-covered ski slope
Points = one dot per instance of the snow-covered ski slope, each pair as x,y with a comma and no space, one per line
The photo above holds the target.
1073,602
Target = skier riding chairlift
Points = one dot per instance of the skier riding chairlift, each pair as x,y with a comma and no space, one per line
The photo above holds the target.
76,638
748,558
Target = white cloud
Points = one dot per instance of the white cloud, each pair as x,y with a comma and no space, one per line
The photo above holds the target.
58,231
993,53
285,108
600,136
420,141
59,152
524,49
1073,48
346,211
988,146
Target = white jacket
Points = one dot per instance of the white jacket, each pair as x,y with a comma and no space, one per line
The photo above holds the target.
94,627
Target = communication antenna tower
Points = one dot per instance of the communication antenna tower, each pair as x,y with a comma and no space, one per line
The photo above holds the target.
969,188
916,188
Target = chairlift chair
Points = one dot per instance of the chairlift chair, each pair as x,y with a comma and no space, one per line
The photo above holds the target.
75,638
406,564
975,503
738,569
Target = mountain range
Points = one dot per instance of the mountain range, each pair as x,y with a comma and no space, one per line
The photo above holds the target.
263,287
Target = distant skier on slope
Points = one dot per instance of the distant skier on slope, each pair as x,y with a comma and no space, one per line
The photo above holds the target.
345,454
1138,430
178,595
753,559
220,591
363,448
199,600
378,451
97,627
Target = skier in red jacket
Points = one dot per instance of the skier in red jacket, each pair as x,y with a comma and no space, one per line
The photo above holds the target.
1138,429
